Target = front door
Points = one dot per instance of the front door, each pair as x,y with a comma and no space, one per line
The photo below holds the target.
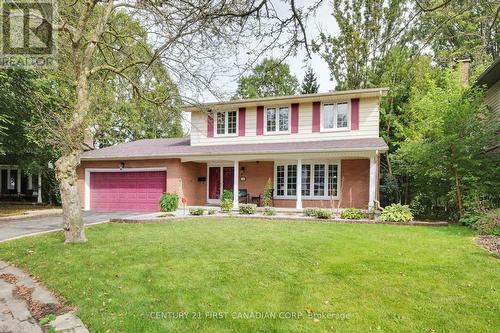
219,177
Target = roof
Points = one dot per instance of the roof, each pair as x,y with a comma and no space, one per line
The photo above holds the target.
491,75
172,148
357,93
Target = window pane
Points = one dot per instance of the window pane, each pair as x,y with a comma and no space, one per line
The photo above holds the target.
328,115
306,179
283,119
292,180
342,115
332,180
271,120
221,123
231,122
280,180
319,179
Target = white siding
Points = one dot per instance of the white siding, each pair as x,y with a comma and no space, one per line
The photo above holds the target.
368,127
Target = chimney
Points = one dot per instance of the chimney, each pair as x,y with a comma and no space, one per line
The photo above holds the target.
464,68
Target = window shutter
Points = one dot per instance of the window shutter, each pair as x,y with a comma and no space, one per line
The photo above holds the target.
241,121
210,125
316,117
354,114
295,118
260,120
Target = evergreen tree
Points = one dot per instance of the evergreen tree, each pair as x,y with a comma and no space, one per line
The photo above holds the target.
310,83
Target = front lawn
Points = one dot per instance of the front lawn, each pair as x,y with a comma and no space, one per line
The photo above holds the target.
352,278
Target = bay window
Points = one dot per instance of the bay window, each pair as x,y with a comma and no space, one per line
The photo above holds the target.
335,116
278,119
226,123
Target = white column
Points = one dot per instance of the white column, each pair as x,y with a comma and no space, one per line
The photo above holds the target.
298,203
18,181
373,182
8,179
236,190
39,191
30,182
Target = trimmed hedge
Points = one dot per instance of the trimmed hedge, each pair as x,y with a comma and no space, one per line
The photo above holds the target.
169,202
196,211
352,214
248,209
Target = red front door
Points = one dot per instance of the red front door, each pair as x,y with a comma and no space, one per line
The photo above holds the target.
127,191
219,177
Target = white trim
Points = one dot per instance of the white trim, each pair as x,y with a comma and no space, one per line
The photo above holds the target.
236,180
298,203
277,108
30,181
335,128
39,189
221,179
373,182
89,170
226,116
18,181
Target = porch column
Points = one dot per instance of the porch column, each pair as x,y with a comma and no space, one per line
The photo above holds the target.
39,190
236,191
8,179
30,182
298,203
372,182
18,181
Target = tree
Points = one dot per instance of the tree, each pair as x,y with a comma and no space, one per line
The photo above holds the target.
310,83
269,78
187,37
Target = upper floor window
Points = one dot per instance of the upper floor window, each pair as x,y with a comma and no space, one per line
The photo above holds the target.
278,119
335,116
226,123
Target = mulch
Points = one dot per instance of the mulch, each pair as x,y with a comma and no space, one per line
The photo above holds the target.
490,243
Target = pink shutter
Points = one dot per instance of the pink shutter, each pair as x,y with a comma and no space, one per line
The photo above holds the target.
316,117
210,125
241,121
260,120
355,114
295,118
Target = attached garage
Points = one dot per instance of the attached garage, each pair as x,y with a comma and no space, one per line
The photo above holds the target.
125,190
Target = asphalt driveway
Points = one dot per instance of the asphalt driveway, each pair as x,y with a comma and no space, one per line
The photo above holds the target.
26,226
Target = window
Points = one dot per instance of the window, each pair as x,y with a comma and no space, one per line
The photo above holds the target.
226,123
335,116
319,180
278,120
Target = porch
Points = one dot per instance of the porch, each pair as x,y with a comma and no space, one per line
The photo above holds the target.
18,186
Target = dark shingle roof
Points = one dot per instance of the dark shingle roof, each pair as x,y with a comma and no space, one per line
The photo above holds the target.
166,148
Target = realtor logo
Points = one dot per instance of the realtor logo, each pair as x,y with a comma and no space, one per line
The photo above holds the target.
27,34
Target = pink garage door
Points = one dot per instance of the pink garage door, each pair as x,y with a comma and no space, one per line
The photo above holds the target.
126,191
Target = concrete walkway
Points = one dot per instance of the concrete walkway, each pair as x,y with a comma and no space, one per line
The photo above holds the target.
21,227
24,302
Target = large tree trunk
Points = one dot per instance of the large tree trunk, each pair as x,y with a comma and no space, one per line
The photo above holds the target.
73,227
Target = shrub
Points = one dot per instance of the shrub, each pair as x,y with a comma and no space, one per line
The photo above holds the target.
248,209
226,205
211,211
227,195
196,211
352,214
169,202
489,223
323,213
267,197
469,219
310,211
269,211
396,213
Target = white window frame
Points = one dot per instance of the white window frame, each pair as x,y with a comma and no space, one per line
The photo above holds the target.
335,128
226,124
277,126
311,188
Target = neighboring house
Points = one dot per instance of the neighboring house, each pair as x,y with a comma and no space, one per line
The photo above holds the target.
318,150
15,185
491,79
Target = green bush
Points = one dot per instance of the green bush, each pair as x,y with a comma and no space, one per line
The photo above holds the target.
352,214
310,211
469,219
267,197
226,205
211,211
323,213
196,211
396,213
227,195
169,202
248,209
489,223
269,211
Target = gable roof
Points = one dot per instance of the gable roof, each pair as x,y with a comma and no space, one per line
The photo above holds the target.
491,75
173,148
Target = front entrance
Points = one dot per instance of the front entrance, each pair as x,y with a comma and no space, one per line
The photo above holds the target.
219,177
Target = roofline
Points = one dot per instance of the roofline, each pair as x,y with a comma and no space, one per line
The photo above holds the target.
180,155
370,92
487,76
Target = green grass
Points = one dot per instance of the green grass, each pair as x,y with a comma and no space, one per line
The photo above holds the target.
382,278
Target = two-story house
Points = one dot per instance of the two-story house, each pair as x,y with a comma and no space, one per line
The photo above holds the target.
318,150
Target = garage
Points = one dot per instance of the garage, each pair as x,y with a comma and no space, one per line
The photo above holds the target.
126,190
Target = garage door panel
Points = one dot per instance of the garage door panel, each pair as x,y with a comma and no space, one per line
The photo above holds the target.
126,191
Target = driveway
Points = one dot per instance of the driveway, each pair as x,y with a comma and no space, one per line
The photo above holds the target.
31,225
